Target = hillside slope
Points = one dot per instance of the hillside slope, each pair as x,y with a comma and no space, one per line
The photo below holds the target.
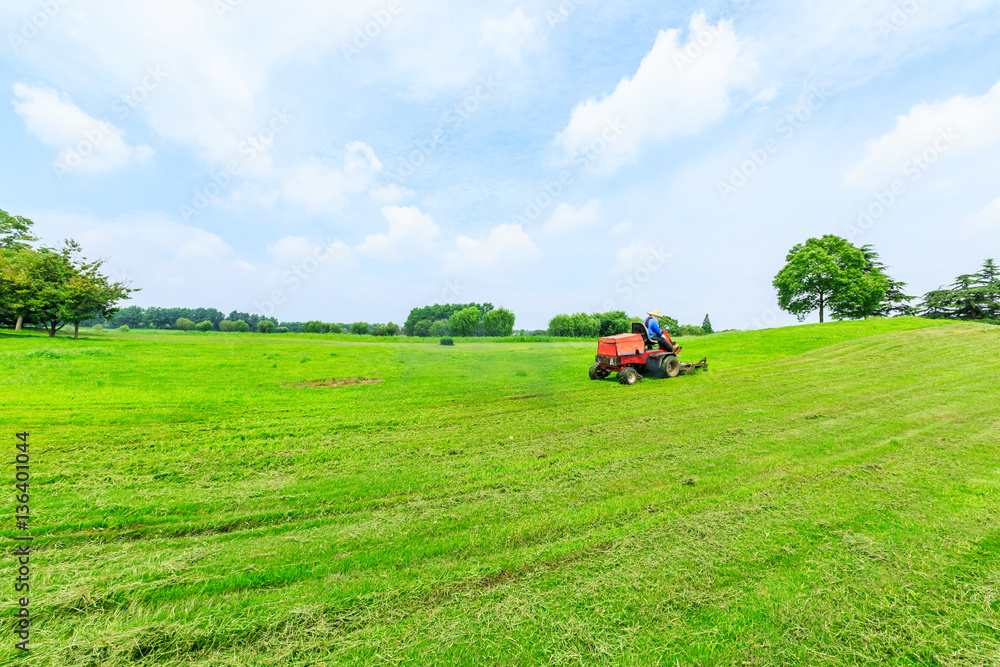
824,494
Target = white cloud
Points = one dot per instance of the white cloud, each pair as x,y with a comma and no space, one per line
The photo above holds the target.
678,89
392,193
85,143
298,250
410,234
505,246
567,218
318,187
622,227
957,125
508,37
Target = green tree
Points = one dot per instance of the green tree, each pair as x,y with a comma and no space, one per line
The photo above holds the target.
184,324
205,325
265,326
422,328
312,326
336,328
15,232
613,322
359,328
465,321
829,274
706,325
392,329
499,322
561,325
227,325
379,330
440,328
585,326
241,326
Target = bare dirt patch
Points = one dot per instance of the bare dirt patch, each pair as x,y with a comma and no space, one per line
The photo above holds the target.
331,382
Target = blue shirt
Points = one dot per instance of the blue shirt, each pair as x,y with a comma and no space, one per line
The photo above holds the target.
654,327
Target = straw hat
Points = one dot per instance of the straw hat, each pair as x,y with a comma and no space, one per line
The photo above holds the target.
655,313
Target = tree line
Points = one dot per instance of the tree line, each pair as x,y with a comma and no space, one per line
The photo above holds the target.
832,275
582,325
468,319
51,287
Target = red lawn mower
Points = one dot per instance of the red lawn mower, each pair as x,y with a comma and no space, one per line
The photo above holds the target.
633,356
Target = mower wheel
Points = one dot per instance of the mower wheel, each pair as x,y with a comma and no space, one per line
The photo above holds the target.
671,367
628,376
598,373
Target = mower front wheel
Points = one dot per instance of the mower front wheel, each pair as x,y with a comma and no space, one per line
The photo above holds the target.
628,376
598,373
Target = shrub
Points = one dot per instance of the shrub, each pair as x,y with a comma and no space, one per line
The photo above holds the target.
359,328
392,329
313,326
124,328
265,326
336,328
184,324
440,328
281,330
499,322
241,326
227,325
465,321
97,328
422,328
205,326
447,341
379,330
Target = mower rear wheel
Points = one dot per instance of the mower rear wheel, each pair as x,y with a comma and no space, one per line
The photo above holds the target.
671,367
598,373
628,376
654,366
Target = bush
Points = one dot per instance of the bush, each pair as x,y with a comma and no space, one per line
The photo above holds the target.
313,326
422,328
359,328
205,326
336,328
379,330
97,328
447,341
281,330
124,328
499,322
440,328
392,329
227,325
184,324
265,326
240,326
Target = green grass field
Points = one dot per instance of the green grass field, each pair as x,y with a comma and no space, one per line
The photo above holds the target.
825,494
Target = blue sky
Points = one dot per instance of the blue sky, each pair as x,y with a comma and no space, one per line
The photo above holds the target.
350,161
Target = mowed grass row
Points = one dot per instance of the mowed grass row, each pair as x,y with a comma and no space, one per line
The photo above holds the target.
824,494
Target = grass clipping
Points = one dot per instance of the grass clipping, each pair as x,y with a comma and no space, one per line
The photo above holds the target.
331,382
